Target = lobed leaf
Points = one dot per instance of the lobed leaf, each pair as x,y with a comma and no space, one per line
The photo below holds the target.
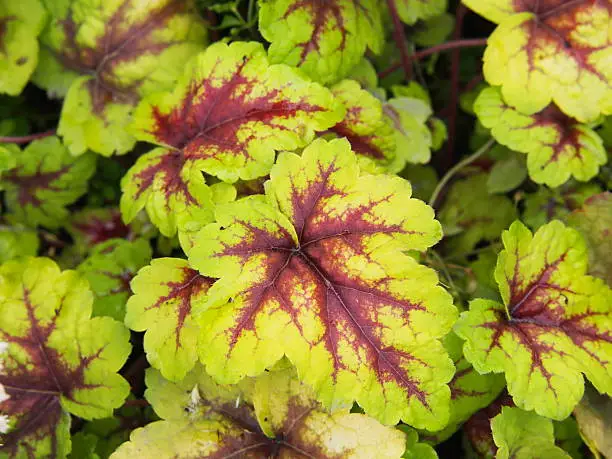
168,295
20,24
411,11
324,39
104,57
228,116
523,435
554,324
45,180
315,270
273,415
17,241
109,270
554,51
557,146
59,360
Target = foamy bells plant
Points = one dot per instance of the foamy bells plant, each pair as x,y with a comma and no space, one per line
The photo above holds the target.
305,229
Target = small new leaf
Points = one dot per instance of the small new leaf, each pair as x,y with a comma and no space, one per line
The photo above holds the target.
167,296
59,360
553,51
20,24
411,11
316,270
324,39
557,146
524,435
46,179
554,325
105,56
272,416
109,270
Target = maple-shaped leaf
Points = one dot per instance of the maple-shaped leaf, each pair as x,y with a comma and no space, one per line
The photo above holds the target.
557,146
470,215
109,270
324,39
59,360
410,11
315,270
104,57
470,390
271,416
524,435
45,180
168,295
228,116
17,241
548,204
20,24
550,51
368,129
554,325
594,221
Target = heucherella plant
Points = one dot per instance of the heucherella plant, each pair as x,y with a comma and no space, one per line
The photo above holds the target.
298,229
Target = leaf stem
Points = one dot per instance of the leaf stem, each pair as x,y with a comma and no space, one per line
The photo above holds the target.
466,43
136,402
400,39
454,83
457,167
27,138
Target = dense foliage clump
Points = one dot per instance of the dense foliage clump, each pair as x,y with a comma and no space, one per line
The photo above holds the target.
305,229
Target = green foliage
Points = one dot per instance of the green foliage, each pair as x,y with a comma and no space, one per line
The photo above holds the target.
305,229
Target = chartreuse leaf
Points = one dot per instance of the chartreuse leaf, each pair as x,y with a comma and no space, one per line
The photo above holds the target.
555,51
470,215
59,360
367,128
315,270
17,241
324,39
20,24
477,435
557,146
412,136
554,324
167,296
45,180
228,116
105,56
524,435
273,415
109,269
410,11
470,390
414,448
594,221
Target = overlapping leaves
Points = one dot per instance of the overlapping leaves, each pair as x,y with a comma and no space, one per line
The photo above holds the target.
228,116
550,51
315,270
324,39
554,325
59,360
557,146
44,180
271,416
104,57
